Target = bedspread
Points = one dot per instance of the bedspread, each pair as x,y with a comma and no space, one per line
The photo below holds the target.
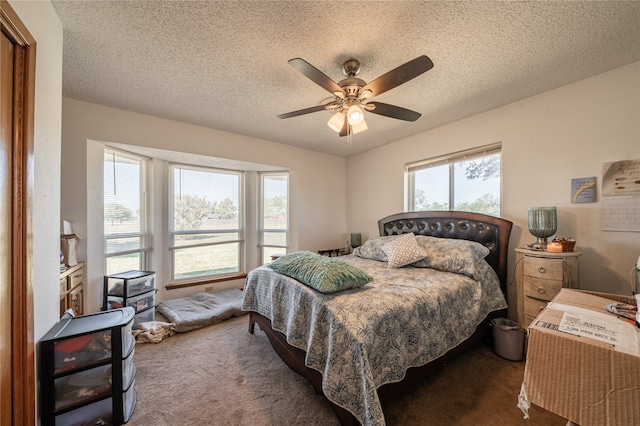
361,339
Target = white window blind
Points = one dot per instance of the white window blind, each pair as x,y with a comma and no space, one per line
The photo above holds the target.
455,157
124,211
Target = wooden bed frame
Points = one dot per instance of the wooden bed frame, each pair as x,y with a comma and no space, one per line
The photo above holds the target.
490,231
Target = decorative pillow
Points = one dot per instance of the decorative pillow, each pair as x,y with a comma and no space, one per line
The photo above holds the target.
403,250
451,255
372,248
322,273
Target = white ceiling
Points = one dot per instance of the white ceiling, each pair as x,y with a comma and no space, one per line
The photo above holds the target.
223,64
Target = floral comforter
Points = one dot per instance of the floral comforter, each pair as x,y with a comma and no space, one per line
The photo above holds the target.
361,339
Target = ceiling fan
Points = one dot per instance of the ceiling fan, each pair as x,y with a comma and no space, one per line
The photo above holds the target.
352,96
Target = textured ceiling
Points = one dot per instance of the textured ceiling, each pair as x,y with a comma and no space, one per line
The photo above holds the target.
223,64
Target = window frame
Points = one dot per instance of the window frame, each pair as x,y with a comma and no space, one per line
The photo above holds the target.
449,160
241,240
261,227
143,234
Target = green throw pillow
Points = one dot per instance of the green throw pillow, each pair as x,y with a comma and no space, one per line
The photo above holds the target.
322,273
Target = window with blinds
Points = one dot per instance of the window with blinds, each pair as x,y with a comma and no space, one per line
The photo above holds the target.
124,211
465,181
206,218
274,215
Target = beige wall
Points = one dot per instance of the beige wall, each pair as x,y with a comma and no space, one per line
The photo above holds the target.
45,27
573,130
318,199
547,140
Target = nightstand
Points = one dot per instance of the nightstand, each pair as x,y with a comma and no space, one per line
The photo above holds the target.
540,276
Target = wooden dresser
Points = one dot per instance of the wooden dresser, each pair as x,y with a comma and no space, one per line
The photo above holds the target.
540,276
71,289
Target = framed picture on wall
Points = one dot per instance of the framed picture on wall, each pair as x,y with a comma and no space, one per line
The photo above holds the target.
583,190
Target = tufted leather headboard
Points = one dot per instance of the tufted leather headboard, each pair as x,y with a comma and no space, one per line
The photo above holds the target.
490,231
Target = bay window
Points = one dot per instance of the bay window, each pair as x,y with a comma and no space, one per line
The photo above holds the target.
206,222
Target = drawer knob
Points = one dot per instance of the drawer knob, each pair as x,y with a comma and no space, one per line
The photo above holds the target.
541,290
541,270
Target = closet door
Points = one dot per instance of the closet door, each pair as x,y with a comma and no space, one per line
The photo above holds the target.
17,346
6,96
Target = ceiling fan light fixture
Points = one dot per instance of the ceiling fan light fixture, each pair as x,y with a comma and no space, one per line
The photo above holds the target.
365,94
336,122
359,127
355,115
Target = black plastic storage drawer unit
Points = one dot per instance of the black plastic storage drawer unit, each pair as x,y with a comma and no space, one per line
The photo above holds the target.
86,369
136,289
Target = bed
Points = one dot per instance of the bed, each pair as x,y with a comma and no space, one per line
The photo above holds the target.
362,346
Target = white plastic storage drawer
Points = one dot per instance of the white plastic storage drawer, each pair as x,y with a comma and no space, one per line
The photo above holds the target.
97,413
128,402
128,341
130,283
144,316
128,371
139,302
76,388
82,351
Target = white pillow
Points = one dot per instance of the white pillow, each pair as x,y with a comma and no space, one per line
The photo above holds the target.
403,251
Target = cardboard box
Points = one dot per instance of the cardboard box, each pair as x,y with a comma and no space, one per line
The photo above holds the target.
582,379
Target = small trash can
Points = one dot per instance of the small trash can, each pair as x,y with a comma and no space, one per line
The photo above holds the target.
508,339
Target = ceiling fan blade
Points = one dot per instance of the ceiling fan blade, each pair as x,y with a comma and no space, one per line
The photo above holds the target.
399,75
315,75
394,111
303,111
345,128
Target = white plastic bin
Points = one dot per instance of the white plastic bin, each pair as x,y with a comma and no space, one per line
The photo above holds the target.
508,339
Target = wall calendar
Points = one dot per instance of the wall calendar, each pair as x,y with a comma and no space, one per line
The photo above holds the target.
621,196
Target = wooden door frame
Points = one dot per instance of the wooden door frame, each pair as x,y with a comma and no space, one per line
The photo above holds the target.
23,388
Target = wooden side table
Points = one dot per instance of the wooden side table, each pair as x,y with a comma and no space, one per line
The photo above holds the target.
71,289
540,275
